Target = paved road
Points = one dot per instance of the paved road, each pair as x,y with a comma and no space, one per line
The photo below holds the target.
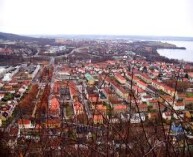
37,54
88,112
35,108
83,125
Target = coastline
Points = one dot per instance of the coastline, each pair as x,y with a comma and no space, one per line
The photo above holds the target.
182,52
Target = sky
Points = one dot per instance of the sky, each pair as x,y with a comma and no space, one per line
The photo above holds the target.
103,17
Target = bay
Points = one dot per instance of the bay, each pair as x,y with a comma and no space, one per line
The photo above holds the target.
185,55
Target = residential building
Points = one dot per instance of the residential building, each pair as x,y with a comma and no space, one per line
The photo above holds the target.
98,119
120,78
179,105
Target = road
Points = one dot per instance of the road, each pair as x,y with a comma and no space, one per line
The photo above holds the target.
37,54
37,100
87,110
84,101
83,125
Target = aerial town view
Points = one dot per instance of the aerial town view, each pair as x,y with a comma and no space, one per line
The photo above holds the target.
94,95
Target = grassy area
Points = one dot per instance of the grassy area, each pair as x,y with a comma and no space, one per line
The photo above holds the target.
16,111
69,111
162,44
8,96
3,103
161,92
109,109
107,105
28,89
7,122
150,107
189,95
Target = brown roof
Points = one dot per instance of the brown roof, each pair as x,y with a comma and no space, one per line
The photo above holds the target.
53,121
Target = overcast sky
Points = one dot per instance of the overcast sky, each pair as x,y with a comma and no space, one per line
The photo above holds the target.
116,17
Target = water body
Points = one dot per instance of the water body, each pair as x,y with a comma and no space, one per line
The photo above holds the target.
186,55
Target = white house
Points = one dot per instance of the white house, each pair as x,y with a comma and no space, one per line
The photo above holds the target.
25,124
2,96
179,106
178,115
166,115
135,118
190,76
7,77
0,122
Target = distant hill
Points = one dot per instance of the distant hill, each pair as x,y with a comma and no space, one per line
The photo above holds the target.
50,38
14,37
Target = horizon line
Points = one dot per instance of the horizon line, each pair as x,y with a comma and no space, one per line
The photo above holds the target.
81,34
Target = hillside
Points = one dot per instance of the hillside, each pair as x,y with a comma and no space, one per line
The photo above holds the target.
14,37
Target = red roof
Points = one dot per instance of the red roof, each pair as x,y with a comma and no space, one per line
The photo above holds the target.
153,101
140,90
179,104
142,105
108,90
119,76
120,107
54,104
134,77
189,99
97,117
141,83
78,105
73,89
156,106
120,88
93,97
167,113
24,121
145,76
101,107
59,84
53,121
105,77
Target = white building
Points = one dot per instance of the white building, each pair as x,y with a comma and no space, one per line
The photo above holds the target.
0,122
167,115
179,106
62,75
2,71
7,77
25,124
134,118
